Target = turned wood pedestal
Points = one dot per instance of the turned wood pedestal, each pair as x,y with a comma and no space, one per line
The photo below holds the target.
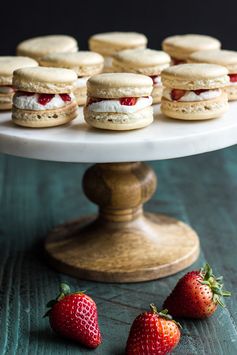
122,243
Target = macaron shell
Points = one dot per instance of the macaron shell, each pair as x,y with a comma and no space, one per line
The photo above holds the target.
39,46
10,63
6,101
117,85
181,46
119,121
198,110
44,80
47,118
222,57
119,67
157,94
195,76
231,91
84,63
112,42
80,95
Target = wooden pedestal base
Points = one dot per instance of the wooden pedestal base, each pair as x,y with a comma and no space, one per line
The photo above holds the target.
122,244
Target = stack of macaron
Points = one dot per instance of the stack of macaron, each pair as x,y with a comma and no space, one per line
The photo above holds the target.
7,67
117,81
44,97
108,44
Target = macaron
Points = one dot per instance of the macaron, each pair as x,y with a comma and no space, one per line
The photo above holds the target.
180,47
7,67
143,61
228,59
194,91
107,44
40,46
84,63
44,97
119,101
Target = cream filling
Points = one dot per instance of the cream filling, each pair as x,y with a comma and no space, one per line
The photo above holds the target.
157,81
115,106
108,62
81,82
192,96
31,102
232,83
6,90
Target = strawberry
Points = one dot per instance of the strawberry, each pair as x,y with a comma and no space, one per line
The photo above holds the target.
74,316
153,333
176,94
128,101
65,97
233,78
198,92
196,295
44,99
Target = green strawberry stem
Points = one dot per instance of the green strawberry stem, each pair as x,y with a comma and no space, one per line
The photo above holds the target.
163,314
64,291
215,284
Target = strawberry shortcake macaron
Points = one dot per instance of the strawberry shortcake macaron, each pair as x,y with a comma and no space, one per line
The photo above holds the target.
7,67
194,91
110,43
143,61
180,47
84,63
119,101
44,97
38,47
228,59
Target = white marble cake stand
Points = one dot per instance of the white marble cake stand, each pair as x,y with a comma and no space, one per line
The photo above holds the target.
122,244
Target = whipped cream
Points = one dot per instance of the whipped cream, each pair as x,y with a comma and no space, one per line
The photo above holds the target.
192,96
25,102
157,81
6,90
232,83
81,82
116,107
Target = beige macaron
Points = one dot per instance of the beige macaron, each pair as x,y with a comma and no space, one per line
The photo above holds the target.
181,46
119,101
194,91
40,46
44,97
228,59
84,63
7,67
143,61
110,43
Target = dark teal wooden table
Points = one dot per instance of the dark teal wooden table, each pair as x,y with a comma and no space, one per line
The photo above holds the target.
35,196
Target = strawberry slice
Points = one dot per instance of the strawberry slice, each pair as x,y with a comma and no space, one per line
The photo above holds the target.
65,97
233,78
44,99
128,101
153,77
198,92
176,94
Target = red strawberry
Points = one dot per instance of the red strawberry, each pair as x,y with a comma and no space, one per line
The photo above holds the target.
153,333
74,316
176,94
233,78
198,92
128,101
196,295
65,97
44,99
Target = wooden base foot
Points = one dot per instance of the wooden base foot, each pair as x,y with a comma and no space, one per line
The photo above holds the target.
122,244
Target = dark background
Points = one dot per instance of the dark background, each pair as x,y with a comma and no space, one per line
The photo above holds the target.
157,19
